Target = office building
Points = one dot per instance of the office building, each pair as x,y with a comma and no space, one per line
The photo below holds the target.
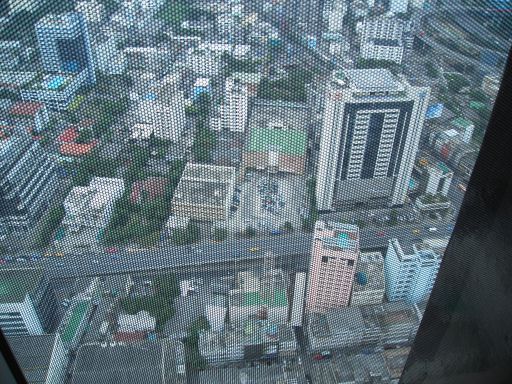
42,358
93,11
398,6
163,106
332,268
28,180
159,362
410,270
236,105
382,39
491,85
64,45
30,114
28,305
371,130
109,59
439,179
334,12
277,138
91,206
205,192
368,287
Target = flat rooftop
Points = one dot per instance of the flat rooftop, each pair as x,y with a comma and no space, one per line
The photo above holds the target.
249,299
278,114
288,141
15,284
369,272
33,354
77,315
205,185
135,363
373,80
337,236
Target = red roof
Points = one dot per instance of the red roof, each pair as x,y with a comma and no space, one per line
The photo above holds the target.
129,336
75,149
68,136
25,108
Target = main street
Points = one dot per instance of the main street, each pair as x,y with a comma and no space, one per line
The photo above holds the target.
285,247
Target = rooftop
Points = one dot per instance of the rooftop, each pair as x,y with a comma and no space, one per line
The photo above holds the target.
288,141
373,80
25,108
152,186
15,284
462,123
135,363
69,135
255,298
395,360
76,149
369,272
33,354
337,236
206,185
77,315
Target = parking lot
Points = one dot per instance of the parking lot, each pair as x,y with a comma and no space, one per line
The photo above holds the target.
266,202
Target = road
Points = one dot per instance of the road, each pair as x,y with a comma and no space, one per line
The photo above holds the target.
289,248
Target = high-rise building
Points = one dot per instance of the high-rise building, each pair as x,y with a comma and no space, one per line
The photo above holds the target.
371,130
236,106
333,263
28,179
64,44
382,39
410,270
28,305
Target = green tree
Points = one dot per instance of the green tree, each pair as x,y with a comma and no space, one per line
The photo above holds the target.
220,234
50,223
288,227
249,232
85,136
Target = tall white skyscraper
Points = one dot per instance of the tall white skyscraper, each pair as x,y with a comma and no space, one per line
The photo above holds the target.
382,38
371,130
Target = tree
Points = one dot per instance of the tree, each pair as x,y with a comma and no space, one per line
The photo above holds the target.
288,227
85,136
249,232
220,234
393,217
50,223
456,82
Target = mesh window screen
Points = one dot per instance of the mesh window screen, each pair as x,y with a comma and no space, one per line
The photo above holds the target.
229,191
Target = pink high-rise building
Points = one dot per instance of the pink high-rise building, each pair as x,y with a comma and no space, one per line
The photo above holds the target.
333,265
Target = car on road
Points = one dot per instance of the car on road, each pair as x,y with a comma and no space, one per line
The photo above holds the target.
112,250
462,187
58,254
416,231
254,249
2,261
326,354
432,229
21,259
318,357
381,234
60,265
95,262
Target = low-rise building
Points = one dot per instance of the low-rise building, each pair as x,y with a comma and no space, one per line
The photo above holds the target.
30,114
42,358
389,324
55,90
264,297
277,138
491,85
159,362
28,305
254,340
204,192
91,206
75,321
368,287
139,322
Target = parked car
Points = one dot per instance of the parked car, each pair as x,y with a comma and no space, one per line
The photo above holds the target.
2,261
254,249
381,234
432,229
318,357
112,250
